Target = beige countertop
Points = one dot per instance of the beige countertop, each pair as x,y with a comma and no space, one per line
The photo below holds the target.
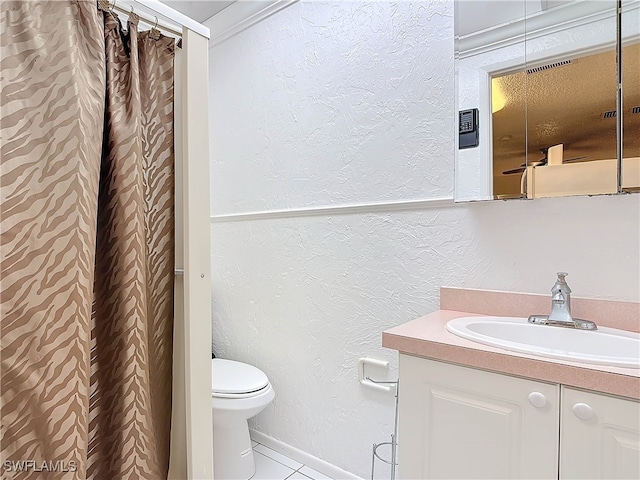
427,337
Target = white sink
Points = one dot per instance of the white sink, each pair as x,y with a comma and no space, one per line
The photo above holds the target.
605,346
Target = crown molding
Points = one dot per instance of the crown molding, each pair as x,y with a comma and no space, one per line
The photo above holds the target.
539,24
241,15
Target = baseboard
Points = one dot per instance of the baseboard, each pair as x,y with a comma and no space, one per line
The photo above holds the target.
299,456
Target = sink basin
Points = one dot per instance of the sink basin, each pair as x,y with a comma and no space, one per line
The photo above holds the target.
605,346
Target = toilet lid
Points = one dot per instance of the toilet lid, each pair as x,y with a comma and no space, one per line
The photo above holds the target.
228,376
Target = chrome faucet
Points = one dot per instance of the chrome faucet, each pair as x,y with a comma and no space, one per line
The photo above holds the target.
560,315
561,300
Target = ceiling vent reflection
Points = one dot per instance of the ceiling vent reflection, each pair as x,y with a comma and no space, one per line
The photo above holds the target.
548,67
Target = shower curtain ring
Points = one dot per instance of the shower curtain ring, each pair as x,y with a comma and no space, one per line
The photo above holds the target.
112,6
156,25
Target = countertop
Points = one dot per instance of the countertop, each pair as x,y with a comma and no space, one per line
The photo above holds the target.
427,337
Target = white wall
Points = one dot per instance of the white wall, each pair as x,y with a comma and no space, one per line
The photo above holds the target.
329,104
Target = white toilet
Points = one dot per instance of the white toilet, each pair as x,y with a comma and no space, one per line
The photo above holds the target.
238,392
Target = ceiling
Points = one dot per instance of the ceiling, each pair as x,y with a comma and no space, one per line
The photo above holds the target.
199,10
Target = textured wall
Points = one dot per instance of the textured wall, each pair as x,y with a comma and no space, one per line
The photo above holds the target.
332,104
325,104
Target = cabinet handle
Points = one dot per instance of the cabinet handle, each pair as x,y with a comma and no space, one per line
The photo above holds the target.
583,411
537,399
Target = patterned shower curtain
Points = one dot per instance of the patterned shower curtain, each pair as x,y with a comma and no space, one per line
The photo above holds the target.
86,244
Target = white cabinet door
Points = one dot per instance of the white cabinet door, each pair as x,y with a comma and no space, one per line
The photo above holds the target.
458,422
600,436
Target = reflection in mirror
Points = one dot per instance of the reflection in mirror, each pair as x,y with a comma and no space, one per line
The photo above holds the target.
572,103
547,111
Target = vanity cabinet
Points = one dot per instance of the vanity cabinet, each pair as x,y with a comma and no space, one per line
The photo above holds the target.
460,422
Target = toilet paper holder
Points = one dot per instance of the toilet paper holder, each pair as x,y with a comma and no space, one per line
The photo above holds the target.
385,386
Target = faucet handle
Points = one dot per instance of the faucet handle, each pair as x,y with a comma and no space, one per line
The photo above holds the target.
561,284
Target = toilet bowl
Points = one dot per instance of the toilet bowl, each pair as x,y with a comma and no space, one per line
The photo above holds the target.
238,392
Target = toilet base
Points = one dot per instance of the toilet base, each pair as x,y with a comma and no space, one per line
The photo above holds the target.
232,452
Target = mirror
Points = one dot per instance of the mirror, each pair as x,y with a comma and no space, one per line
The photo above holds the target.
540,77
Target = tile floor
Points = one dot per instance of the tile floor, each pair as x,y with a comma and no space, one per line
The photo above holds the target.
271,465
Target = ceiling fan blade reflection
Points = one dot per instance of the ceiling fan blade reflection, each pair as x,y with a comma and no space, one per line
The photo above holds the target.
514,171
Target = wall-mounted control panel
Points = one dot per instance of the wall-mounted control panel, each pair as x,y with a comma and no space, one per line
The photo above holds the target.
468,136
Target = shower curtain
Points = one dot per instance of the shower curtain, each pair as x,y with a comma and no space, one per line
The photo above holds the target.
86,244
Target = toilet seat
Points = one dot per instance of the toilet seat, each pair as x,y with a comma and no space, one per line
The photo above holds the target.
240,395
230,379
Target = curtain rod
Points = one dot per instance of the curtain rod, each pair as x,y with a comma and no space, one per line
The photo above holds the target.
154,22
164,11
112,6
